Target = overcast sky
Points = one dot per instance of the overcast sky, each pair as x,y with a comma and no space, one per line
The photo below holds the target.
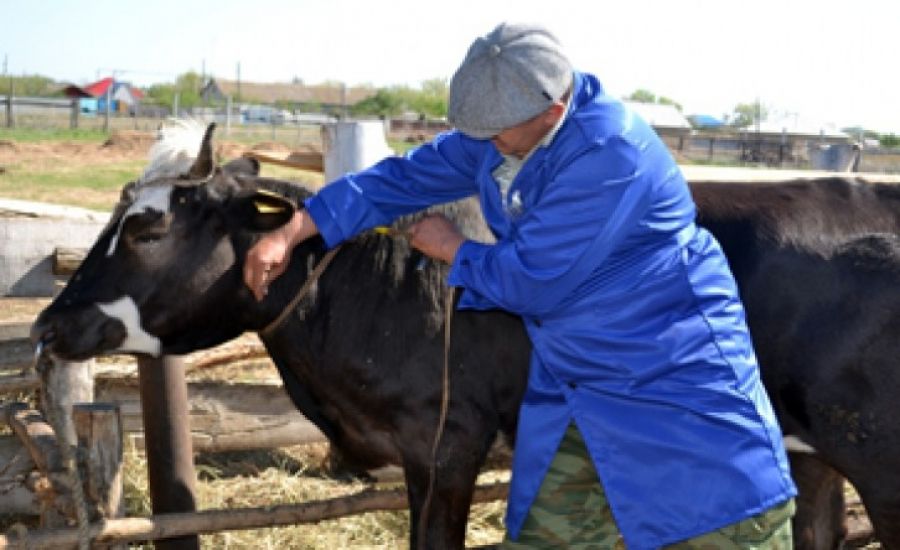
824,61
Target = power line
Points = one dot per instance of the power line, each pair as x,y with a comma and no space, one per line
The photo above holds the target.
135,72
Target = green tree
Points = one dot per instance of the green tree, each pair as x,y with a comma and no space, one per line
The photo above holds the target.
432,100
187,86
859,131
889,141
748,114
383,103
429,100
30,85
646,96
642,96
666,101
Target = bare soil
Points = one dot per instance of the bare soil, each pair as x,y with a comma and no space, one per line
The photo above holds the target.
121,145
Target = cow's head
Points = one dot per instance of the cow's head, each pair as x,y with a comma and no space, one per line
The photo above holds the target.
165,274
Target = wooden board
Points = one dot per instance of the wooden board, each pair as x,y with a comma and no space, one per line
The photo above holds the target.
15,467
16,350
302,160
224,417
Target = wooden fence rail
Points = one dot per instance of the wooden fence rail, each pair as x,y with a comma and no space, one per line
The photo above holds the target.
165,526
10,101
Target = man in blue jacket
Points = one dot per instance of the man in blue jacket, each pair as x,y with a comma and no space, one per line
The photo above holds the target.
644,417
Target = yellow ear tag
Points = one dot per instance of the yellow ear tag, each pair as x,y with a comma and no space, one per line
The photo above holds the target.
269,208
264,208
382,230
267,193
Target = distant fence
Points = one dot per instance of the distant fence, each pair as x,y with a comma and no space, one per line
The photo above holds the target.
777,151
54,114
14,107
883,161
692,147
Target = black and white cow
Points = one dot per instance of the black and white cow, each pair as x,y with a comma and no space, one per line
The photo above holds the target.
361,355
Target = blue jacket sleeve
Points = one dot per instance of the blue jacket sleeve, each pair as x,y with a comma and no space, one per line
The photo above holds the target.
583,215
441,171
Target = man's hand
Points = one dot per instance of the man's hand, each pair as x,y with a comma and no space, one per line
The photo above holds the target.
436,237
269,257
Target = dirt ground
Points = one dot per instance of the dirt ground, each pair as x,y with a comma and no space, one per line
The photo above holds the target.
121,145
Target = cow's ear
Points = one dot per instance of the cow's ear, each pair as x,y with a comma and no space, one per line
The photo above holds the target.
204,165
261,210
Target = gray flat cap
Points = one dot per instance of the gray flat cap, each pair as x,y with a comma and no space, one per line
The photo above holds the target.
510,75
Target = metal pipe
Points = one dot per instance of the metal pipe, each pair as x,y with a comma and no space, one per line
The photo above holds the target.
167,440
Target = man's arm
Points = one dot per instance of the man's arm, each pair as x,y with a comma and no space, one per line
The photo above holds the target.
269,257
441,171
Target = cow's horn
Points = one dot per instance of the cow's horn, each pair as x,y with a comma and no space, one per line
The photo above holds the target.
204,164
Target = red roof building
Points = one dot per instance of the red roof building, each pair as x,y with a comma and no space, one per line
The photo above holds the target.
122,91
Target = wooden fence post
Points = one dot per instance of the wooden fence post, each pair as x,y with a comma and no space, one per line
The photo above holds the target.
73,116
10,118
99,430
167,440
38,437
108,107
67,383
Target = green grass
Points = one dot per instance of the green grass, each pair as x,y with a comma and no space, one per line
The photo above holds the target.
94,187
45,134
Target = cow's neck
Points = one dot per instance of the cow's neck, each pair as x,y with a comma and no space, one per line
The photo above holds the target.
303,291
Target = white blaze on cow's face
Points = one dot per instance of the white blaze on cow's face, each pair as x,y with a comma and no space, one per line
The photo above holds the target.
149,198
137,340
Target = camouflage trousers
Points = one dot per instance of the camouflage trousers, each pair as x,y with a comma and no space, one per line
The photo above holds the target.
571,511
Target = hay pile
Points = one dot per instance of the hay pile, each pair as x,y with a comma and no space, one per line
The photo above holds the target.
294,475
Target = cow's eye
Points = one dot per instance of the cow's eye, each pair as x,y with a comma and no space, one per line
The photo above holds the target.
148,237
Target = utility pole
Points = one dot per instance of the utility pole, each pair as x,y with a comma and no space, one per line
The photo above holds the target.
238,94
758,114
5,63
203,84
106,113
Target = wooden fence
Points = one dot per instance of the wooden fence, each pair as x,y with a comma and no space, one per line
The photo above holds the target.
15,106
55,114
173,418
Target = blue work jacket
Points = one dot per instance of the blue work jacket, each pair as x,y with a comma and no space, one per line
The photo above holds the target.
639,335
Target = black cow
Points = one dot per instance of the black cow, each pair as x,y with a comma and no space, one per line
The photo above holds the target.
362,354
818,266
